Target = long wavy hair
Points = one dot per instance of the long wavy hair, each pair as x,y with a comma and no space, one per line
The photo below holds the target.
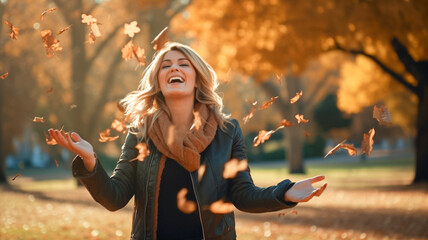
142,107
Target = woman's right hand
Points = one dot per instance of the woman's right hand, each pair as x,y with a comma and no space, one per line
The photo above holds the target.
77,145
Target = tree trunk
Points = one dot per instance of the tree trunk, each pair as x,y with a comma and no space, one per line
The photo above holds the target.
3,179
421,171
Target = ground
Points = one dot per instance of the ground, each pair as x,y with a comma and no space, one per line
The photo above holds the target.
370,200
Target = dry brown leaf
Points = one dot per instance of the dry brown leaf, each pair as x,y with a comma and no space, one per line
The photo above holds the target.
63,30
88,19
50,42
279,78
143,152
296,98
14,31
367,143
4,76
221,207
127,51
233,166
266,104
335,149
382,115
105,136
300,118
46,12
95,30
17,175
350,148
184,205
92,22
252,111
92,38
39,120
49,140
119,126
160,40
131,29
284,123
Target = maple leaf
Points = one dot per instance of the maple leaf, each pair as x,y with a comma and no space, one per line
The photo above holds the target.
131,29
296,98
160,40
266,104
262,137
221,207
105,136
367,143
233,166
17,175
49,140
63,30
127,51
50,42
88,19
382,115
14,31
46,12
335,149
4,76
130,50
300,118
184,205
39,120
252,111
143,152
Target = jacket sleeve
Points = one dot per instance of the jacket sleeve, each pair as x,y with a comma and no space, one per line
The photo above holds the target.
112,192
248,197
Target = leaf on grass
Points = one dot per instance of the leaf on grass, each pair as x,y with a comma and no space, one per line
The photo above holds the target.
266,104
4,76
160,40
233,166
297,97
221,207
14,31
300,118
262,137
17,175
63,30
184,205
252,111
286,213
38,120
50,42
46,12
49,140
335,149
105,136
367,143
131,29
382,115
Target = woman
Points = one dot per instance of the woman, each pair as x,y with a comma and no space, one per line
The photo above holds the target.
178,114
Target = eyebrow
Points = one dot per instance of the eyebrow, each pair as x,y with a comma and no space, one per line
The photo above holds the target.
180,59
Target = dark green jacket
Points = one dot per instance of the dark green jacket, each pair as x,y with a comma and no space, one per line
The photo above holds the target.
138,179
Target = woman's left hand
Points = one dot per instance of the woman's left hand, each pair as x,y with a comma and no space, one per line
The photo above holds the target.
303,191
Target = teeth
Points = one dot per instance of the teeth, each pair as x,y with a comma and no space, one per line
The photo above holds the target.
175,79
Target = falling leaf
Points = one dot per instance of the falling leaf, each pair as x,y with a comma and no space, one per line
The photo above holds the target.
120,107
296,98
39,120
63,30
88,19
131,29
252,111
233,166
367,143
286,213
266,104
17,175
119,126
4,76
92,22
50,42
279,78
92,38
49,140
382,115
201,172
72,106
46,12
221,207
143,152
160,40
335,149
56,163
284,123
300,118
14,31
105,136
95,30
184,205
262,137
350,148
130,50
49,90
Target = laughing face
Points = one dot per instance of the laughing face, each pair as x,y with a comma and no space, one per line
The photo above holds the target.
177,76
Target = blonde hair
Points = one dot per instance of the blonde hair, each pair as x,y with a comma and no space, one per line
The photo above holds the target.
142,107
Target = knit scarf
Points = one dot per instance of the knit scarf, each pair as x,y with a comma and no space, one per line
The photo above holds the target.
181,145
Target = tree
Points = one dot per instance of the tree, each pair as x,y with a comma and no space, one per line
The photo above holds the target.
268,36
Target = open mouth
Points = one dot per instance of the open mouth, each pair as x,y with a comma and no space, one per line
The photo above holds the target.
176,80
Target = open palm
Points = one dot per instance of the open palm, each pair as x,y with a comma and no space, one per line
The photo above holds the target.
303,191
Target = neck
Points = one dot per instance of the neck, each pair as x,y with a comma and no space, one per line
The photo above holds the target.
181,111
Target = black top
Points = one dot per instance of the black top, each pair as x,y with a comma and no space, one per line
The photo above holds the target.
173,223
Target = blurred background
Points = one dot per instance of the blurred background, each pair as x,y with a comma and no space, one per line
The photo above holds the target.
344,56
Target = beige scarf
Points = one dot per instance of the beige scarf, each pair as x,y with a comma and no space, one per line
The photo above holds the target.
185,146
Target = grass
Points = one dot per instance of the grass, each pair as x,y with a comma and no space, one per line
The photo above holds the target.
370,200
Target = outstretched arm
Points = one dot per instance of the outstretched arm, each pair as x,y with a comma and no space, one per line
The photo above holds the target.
303,191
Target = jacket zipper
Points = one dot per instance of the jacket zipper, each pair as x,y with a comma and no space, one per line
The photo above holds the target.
147,197
199,207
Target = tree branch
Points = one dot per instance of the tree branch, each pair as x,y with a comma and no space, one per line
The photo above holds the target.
178,10
385,68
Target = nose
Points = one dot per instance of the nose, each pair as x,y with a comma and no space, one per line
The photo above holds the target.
174,68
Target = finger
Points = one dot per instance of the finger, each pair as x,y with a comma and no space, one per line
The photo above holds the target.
321,190
76,137
317,179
